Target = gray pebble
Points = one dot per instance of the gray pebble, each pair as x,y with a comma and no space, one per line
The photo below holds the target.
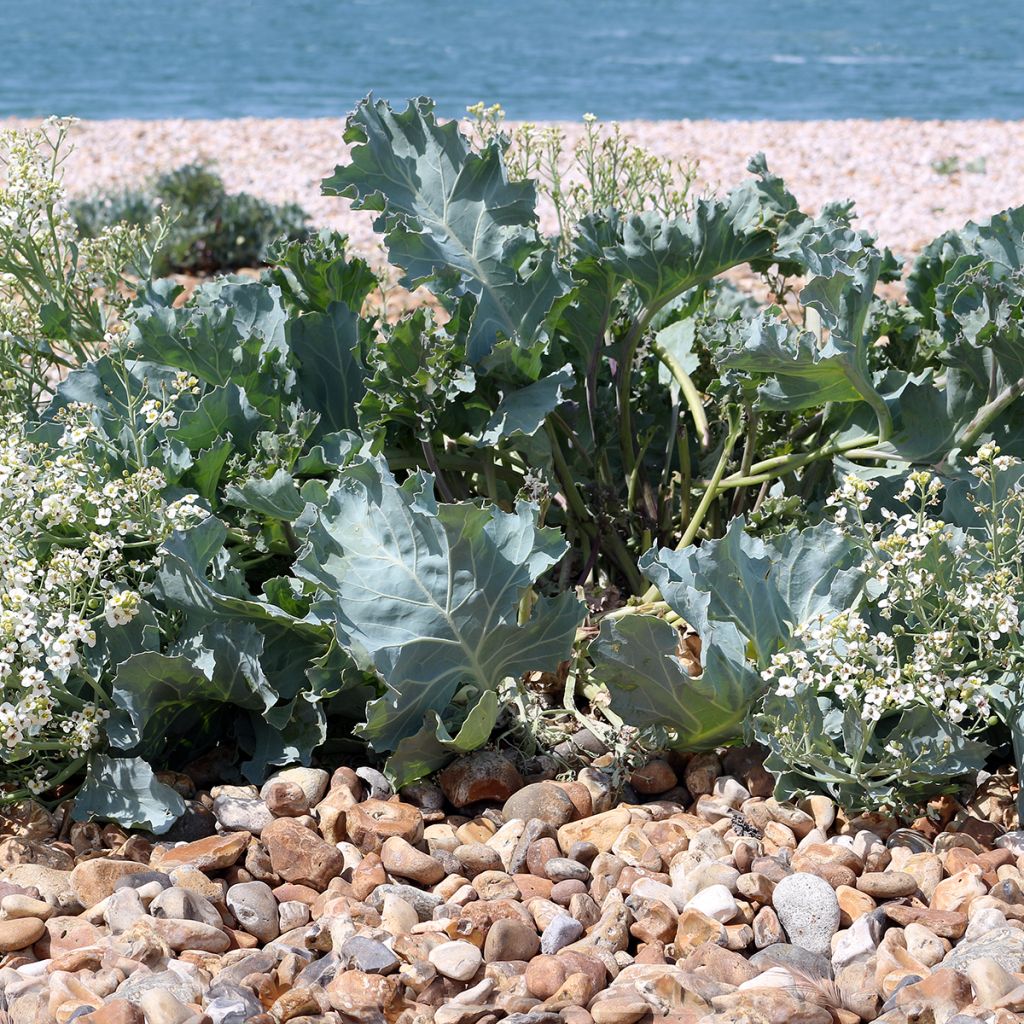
560,932
561,869
368,955
255,908
808,911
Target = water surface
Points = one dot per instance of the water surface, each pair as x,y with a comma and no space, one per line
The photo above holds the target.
540,58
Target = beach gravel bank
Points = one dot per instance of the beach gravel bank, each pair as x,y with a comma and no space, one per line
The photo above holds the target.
886,166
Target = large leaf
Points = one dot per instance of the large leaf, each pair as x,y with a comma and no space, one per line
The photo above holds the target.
999,240
431,593
662,258
764,589
637,658
125,790
230,330
160,693
329,374
223,411
451,218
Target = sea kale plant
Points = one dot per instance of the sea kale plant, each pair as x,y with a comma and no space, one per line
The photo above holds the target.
588,482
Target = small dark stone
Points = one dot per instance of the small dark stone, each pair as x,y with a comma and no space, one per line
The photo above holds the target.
368,955
584,852
378,785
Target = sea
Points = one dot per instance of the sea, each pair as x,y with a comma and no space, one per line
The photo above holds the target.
540,59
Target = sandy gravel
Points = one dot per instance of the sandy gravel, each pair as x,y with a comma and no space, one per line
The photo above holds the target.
886,166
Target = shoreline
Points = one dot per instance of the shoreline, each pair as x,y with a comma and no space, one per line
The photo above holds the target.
885,166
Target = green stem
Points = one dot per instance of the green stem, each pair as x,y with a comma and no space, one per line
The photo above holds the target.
689,391
988,412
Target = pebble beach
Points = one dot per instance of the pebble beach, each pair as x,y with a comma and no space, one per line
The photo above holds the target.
494,898
887,166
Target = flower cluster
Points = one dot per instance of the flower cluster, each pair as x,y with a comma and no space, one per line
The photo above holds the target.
78,546
935,633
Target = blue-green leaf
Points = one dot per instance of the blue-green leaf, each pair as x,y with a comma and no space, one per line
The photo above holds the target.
125,790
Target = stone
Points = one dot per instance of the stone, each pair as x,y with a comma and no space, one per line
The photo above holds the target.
990,981
456,960
286,799
543,801
560,932
312,781
19,933
512,940
299,855
624,1009
162,1007
239,814
808,910
180,934
957,892
361,953
601,830
887,885
945,924
924,945
401,858
653,778
185,904
768,1006
695,929
116,1011
363,997
1005,947
214,853
94,880
859,941
485,775
255,909
370,823
767,929
53,884
332,814
15,905
237,1006
561,869
715,901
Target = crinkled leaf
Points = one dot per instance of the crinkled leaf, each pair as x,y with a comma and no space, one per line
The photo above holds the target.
125,790
802,373
157,691
999,239
221,412
276,496
452,219
522,412
431,592
637,658
763,588
317,272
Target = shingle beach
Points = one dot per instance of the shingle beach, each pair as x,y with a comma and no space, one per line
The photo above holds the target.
886,166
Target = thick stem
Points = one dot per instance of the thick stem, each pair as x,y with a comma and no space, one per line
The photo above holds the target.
689,391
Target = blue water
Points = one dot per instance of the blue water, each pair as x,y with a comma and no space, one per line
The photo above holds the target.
539,58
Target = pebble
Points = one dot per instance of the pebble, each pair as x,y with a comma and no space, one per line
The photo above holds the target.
637,912
560,932
542,800
19,933
255,909
456,960
808,911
